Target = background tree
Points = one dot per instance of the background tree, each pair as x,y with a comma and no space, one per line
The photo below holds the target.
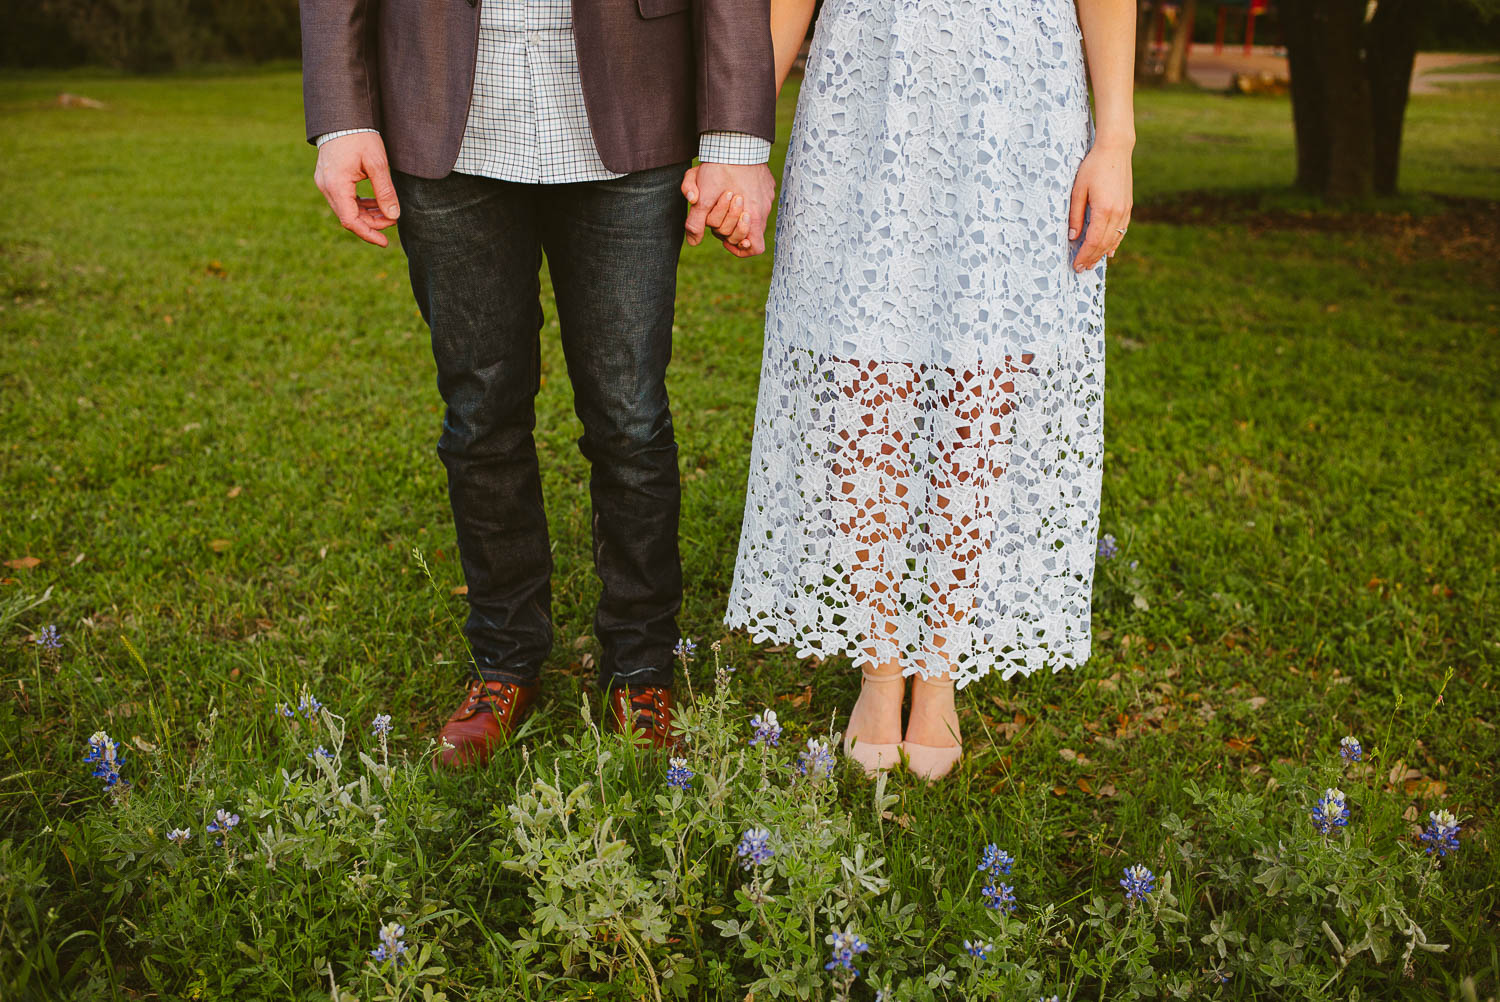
1351,67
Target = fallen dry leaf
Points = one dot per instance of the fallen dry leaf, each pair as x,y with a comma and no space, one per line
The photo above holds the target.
219,545
234,491
1058,791
23,563
460,590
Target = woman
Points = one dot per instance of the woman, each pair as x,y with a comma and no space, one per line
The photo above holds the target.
924,478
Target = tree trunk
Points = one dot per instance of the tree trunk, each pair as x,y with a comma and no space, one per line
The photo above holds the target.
1331,107
1299,28
1391,53
1144,16
1346,102
1176,70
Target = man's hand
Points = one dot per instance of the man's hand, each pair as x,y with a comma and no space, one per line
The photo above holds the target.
732,200
342,164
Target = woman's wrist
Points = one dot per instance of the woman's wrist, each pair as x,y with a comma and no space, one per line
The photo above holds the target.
1121,140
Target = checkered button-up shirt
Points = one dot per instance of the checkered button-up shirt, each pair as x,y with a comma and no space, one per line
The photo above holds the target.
527,120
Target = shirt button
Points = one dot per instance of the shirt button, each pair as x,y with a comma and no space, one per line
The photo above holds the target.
534,37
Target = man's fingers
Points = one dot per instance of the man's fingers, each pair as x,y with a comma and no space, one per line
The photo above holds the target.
694,225
371,213
690,185
379,173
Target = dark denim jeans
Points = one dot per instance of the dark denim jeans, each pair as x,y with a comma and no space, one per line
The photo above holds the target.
474,246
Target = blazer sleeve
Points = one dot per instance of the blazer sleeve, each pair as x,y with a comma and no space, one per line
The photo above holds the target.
736,67
340,88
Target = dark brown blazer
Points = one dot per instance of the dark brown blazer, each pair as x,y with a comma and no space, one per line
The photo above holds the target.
656,73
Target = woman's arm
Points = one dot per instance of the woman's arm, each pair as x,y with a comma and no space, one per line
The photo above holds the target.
789,21
1104,182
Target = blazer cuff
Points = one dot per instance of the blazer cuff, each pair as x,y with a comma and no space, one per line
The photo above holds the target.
721,147
342,132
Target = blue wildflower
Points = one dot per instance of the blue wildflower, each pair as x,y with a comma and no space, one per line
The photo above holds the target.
996,860
1108,547
1350,749
1441,833
1001,897
391,945
979,948
308,705
321,752
685,649
679,775
381,726
1331,812
105,755
179,835
48,639
846,946
767,729
754,848
1137,882
284,710
817,761
222,825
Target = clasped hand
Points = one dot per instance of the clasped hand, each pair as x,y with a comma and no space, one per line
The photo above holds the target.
733,201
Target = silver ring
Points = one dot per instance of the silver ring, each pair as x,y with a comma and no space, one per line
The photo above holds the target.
1119,231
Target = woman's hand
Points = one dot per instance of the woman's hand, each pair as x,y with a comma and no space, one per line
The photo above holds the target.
1103,187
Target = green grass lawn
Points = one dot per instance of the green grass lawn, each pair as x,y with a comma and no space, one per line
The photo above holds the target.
217,428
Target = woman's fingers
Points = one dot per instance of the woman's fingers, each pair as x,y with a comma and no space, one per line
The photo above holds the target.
721,211
1076,204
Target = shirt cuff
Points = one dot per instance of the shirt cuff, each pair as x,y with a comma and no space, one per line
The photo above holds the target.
733,148
345,132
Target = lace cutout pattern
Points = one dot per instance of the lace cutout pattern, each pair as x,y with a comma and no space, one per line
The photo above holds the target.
925,472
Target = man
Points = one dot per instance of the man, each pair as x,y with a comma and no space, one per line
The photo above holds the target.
513,128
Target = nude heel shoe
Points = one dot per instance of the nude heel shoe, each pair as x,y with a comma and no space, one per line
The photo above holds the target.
873,758
928,761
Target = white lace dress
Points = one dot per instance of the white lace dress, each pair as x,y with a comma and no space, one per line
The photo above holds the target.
924,478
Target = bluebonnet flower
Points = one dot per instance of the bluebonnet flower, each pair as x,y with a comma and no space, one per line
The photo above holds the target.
1350,749
978,948
104,753
321,752
309,706
48,639
754,848
1138,882
996,860
381,726
391,946
679,775
179,835
1331,812
767,730
1218,976
222,825
1441,833
685,649
846,946
1048,998
284,710
1001,897
1108,547
817,761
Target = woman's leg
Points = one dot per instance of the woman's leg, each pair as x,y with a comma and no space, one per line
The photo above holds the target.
968,462
869,470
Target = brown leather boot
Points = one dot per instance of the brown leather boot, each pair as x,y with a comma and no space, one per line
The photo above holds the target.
483,722
647,708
